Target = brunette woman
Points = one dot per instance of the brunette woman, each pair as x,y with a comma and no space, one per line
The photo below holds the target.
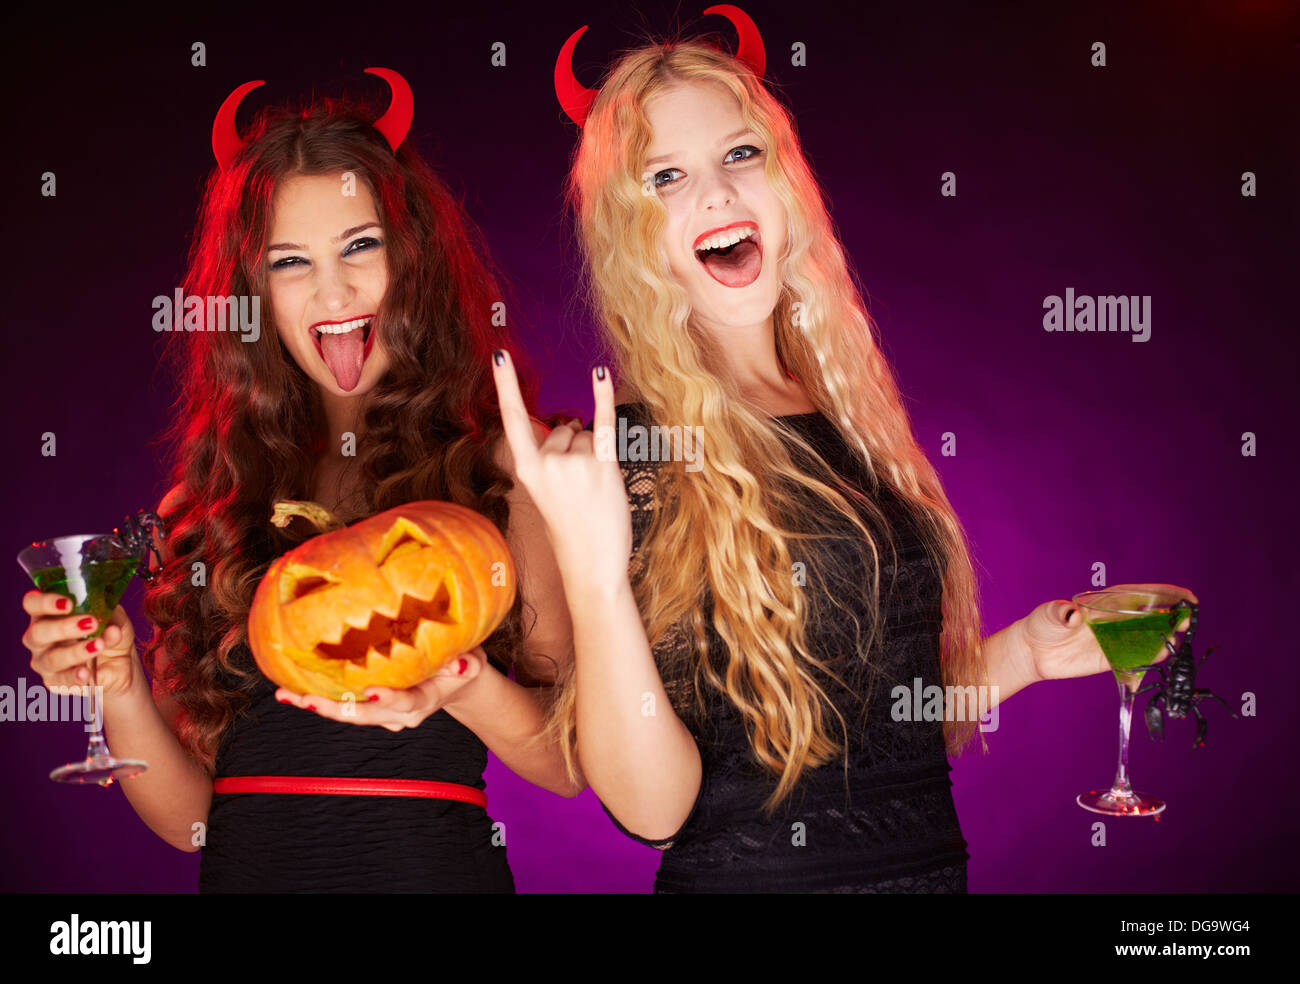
367,389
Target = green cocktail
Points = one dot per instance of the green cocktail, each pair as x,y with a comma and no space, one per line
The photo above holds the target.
93,572
1131,624
1129,643
95,588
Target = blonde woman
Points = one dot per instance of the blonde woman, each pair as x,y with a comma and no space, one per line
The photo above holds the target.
741,629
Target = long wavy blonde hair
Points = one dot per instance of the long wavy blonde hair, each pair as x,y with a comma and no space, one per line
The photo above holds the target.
825,339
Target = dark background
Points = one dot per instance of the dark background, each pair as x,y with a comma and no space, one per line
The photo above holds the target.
1072,449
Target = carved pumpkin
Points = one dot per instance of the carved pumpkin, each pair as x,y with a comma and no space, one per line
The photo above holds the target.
385,602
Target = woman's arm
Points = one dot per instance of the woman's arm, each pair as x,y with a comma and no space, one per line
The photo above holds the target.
510,720
175,792
1052,642
509,716
637,755
1010,669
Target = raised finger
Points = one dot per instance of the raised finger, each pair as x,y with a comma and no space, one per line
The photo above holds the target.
602,386
515,421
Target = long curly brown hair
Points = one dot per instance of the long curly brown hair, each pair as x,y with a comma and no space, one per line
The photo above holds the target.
249,423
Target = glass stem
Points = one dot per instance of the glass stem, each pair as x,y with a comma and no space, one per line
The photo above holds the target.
1120,787
98,748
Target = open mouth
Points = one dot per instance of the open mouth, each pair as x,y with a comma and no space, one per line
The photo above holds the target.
382,632
733,255
344,347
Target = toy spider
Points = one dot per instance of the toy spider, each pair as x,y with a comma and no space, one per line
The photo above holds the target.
136,534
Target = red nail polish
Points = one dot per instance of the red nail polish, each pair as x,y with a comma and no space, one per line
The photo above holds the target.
373,697
284,700
85,624
311,707
92,645
64,604
462,665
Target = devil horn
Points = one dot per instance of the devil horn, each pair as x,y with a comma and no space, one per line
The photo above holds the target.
575,98
225,138
750,49
396,121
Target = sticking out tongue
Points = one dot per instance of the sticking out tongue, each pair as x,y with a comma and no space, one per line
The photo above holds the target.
734,266
343,354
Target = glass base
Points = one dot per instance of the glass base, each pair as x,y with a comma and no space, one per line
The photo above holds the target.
1120,803
102,771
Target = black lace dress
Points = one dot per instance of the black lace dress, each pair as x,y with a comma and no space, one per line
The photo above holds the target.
892,826
292,842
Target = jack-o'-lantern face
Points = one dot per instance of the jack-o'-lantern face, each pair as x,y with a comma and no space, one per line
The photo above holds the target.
386,602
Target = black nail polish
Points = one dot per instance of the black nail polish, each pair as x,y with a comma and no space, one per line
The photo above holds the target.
600,372
499,357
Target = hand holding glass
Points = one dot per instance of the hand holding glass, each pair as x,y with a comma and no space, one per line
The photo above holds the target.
93,571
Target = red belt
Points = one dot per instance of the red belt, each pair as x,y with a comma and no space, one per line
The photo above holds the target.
350,787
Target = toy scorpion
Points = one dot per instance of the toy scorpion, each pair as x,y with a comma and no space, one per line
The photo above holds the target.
136,534
1176,692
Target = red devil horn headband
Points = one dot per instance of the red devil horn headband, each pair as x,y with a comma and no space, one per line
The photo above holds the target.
576,99
394,124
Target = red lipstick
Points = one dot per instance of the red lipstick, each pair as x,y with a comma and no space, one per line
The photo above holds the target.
743,223
369,329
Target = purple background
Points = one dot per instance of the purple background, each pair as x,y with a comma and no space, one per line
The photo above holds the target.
1071,448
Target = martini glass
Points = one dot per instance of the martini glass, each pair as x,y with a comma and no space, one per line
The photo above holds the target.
1131,625
93,571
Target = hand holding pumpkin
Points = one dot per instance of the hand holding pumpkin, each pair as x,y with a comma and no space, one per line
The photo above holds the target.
396,709
385,603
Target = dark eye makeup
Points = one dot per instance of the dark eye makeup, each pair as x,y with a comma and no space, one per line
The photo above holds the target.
358,245
751,152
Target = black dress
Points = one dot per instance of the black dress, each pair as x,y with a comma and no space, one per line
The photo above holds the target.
892,826
292,842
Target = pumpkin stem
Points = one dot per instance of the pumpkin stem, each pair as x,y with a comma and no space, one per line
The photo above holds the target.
313,512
